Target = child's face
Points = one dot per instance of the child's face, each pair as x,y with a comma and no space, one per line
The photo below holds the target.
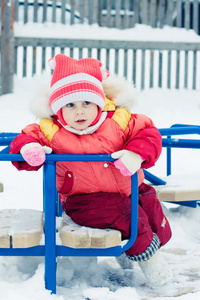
79,114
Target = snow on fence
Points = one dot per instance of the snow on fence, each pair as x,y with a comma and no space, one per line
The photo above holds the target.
112,13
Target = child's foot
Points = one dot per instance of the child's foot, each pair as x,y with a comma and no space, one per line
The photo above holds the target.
124,261
156,270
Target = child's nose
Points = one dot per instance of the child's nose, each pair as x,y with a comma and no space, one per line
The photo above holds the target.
79,111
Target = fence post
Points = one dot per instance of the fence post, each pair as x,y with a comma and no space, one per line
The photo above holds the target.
7,46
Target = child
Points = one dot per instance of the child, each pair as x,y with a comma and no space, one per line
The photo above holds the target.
87,113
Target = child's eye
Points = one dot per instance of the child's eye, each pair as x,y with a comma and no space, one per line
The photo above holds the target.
70,105
86,102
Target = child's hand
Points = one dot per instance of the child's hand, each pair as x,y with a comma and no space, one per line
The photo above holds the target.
34,153
128,162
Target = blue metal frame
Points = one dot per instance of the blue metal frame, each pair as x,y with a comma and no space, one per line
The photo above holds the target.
50,250
52,207
169,142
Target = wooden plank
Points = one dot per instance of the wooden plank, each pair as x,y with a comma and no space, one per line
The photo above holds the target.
16,11
53,11
81,11
151,84
5,225
63,20
34,61
43,58
108,13
160,69
73,235
1,187
136,12
194,75
35,11
187,14
117,14
25,11
196,15
176,193
24,61
20,228
107,44
169,69
186,70
72,14
76,236
134,67
44,18
126,14
125,63
104,238
100,6
144,11
179,13
177,69
90,11
161,13
27,228
107,58
143,70
7,47
169,16
153,13
116,61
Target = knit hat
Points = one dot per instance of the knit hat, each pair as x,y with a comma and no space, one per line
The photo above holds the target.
76,80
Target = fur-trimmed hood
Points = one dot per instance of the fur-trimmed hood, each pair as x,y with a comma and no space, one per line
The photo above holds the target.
118,89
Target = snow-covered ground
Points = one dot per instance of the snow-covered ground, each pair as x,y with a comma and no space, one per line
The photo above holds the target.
21,278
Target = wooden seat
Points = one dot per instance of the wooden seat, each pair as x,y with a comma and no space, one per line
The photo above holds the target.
1,187
76,236
21,228
174,194
179,189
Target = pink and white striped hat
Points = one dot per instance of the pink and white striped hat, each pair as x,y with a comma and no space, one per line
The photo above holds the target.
76,80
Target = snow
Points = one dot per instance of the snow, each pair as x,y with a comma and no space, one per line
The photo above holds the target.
139,33
22,278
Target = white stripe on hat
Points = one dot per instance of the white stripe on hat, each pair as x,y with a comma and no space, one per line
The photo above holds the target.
72,79
78,96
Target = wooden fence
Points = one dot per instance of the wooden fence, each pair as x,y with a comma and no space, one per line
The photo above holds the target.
147,64
112,13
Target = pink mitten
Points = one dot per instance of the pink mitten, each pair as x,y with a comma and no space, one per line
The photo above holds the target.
34,153
128,162
123,169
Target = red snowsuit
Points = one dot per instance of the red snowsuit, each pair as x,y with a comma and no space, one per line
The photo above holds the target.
96,194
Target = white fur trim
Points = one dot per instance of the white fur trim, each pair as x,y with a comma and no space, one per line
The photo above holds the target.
40,106
120,90
29,146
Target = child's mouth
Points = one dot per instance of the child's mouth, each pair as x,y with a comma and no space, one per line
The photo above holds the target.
80,121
